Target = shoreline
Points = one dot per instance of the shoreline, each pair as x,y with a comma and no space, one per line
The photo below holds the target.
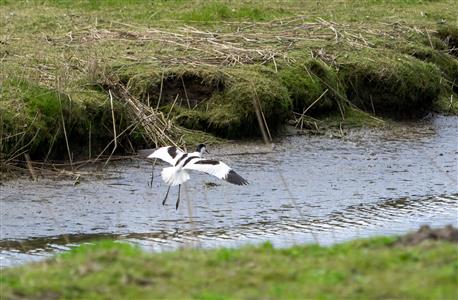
214,80
386,263
64,169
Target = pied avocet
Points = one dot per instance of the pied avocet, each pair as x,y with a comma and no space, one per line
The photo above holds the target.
181,162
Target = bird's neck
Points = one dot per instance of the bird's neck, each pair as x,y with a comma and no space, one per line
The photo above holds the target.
195,153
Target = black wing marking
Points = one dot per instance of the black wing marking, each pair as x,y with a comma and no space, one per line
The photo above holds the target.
207,162
215,168
181,158
235,178
172,151
189,159
168,154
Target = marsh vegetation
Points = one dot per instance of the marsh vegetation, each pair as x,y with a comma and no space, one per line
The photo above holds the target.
86,81
205,68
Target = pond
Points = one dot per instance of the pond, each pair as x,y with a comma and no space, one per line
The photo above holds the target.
305,189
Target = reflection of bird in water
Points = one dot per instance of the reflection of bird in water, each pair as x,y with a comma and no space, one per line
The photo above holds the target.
182,162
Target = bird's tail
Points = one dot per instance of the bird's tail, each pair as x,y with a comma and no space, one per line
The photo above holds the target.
174,176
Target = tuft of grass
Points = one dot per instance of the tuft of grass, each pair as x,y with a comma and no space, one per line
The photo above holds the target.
447,105
224,11
40,120
390,84
36,117
312,85
447,64
449,34
353,118
250,87
221,101
362,269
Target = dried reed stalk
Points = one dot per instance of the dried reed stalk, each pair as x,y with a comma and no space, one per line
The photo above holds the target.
259,42
158,129
114,128
29,166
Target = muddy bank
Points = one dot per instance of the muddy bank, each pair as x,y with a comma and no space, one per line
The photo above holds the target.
425,233
228,82
224,102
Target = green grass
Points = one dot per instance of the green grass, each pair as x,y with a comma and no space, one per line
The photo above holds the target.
192,11
391,57
390,84
308,80
39,115
364,269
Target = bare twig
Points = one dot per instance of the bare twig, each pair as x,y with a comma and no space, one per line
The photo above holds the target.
114,128
185,92
29,166
70,158
261,120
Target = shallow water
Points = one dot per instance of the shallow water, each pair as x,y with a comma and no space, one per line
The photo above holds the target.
307,189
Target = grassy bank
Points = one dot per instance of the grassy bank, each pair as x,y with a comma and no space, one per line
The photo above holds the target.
222,67
364,269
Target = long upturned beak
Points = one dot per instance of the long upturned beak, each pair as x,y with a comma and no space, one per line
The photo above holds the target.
206,151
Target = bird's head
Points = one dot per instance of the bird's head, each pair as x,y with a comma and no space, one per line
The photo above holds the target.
201,148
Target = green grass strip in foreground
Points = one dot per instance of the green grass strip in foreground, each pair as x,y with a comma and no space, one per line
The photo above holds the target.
365,269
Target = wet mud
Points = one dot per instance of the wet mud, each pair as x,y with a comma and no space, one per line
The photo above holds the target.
425,233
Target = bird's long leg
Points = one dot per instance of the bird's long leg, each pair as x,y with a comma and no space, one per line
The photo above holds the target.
178,200
165,198
152,174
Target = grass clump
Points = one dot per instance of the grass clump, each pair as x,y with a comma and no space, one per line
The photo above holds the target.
166,85
32,116
353,117
364,269
221,101
41,121
449,34
312,85
447,105
447,64
389,84
221,10
250,87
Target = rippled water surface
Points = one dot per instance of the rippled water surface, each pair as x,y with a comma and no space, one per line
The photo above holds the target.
307,189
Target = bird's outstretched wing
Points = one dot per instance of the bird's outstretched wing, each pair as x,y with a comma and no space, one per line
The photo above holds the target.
168,154
216,168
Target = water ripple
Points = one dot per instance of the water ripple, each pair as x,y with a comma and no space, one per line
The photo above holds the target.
308,189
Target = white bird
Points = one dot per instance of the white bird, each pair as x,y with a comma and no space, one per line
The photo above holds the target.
182,162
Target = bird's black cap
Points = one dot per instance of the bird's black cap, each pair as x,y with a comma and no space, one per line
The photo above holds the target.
200,146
